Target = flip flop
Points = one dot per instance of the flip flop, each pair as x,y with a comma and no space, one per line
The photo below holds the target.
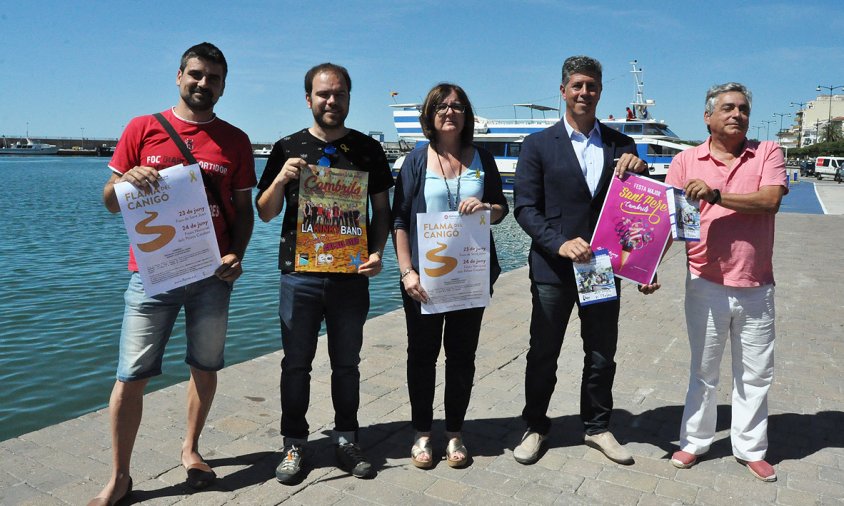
200,476
103,501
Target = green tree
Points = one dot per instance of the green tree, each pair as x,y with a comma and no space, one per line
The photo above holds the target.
832,132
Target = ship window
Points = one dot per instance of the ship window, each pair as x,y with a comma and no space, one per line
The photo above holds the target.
634,129
496,148
652,129
513,149
657,150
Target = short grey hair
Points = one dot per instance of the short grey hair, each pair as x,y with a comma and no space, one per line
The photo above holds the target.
581,65
720,89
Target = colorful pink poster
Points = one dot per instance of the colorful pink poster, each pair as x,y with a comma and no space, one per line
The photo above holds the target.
634,226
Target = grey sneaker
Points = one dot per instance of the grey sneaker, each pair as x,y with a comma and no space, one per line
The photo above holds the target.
350,458
528,450
290,468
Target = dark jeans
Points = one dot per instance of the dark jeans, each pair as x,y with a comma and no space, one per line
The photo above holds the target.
425,336
304,300
552,306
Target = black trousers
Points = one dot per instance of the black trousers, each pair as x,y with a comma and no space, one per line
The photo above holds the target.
458,332
552,306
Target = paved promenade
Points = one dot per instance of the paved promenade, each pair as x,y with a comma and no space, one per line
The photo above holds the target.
68,463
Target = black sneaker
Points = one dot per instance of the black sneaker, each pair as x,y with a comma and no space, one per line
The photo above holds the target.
290,468
350,459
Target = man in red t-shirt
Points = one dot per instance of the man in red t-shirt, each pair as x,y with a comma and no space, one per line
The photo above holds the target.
224,154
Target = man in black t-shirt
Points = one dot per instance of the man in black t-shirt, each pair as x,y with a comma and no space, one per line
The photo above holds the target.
341,299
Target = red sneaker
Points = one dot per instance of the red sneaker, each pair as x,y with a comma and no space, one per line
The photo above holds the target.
760,469
683,460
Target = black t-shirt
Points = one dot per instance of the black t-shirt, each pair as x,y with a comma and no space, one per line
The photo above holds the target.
354,151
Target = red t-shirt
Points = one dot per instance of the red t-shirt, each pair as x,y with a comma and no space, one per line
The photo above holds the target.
223,151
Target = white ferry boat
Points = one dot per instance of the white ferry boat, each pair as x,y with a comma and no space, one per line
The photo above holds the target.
656,143
29,148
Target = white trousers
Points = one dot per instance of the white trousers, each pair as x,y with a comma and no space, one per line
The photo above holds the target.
746,315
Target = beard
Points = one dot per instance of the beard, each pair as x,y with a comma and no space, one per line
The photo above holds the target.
322,120
199,99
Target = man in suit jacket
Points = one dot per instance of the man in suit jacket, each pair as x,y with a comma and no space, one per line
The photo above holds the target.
561,183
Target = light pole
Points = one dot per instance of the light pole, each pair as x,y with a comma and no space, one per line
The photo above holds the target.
758,129
781,115
767,123
829,118
799,114
83,136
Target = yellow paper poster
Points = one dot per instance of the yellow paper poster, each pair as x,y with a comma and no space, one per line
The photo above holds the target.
331,221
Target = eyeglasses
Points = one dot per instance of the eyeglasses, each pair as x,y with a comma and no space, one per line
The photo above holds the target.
457,108
325,160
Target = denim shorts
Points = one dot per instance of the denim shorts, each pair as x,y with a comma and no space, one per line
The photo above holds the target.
148,323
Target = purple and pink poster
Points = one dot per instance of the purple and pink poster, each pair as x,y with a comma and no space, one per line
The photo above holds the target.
634,226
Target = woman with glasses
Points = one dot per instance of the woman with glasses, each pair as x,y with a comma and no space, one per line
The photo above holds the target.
448,174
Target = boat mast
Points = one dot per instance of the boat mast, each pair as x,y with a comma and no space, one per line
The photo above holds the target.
640,105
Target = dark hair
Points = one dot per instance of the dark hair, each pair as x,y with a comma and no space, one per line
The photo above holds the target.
429,109
206,51
326,67
581,65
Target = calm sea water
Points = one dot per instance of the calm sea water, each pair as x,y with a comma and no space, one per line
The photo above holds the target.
61,293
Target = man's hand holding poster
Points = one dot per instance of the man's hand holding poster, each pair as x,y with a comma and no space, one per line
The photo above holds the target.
454,260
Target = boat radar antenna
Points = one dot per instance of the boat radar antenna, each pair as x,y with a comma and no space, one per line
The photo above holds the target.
640,105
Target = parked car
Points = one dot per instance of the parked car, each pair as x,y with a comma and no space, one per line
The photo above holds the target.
807,168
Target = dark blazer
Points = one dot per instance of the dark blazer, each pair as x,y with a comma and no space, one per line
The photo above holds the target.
553,203
409,199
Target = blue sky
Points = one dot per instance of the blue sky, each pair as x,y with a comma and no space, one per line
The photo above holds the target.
67,65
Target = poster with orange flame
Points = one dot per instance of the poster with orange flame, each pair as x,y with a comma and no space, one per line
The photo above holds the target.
454,259
331,222
170,229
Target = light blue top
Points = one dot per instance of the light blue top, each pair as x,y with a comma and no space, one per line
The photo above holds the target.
436,192
590,153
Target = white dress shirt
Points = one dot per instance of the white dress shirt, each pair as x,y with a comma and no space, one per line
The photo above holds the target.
590,153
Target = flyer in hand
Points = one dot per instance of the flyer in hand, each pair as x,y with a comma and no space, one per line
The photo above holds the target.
595,279
685,216
331,221
454,259
170,229
634,226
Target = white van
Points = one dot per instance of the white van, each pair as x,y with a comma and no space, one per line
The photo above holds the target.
828,165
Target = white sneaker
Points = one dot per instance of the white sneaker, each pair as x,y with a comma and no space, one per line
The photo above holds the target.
528,450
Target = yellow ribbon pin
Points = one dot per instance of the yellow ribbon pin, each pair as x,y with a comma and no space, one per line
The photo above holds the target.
192,176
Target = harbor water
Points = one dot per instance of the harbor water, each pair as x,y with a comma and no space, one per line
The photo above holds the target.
61,300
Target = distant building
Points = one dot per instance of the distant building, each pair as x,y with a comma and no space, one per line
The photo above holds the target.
815,117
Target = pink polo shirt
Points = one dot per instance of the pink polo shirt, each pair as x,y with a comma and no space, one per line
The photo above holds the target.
735,249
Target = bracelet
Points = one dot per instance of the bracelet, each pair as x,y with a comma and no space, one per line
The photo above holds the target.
716,198
405,273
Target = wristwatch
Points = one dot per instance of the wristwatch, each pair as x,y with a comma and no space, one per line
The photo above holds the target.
716,198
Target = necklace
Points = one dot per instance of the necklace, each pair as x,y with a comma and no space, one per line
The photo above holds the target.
452,204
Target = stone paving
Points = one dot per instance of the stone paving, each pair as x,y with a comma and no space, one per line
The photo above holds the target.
68,463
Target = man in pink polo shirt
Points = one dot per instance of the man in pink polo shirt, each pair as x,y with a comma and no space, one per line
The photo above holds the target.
730,280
